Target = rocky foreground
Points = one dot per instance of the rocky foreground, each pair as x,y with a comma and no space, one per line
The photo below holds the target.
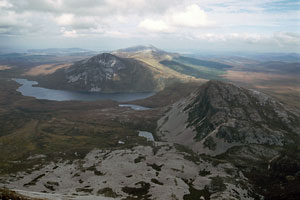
160,171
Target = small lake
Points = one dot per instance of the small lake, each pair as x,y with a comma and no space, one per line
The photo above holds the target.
27,89
147,135
134,107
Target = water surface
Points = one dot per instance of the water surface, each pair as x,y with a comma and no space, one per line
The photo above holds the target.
147,135
27,89
134,107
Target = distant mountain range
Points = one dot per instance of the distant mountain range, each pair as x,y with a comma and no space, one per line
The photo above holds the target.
135,69
144,68
57,51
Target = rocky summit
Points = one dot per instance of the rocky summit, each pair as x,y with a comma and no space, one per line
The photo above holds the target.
100,68
103,73
220,116
253,131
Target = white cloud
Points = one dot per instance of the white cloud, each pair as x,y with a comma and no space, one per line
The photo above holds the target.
287,38
245,37
155,25
69,33
68,20
65,19
280,39
5,4
205,21
192,16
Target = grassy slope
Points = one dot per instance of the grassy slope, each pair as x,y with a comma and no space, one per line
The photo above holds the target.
169,95
59,129
208,68
166,74
197,68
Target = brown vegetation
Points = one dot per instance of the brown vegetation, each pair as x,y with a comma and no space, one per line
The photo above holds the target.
285,87
4,67
45,69
58,129
6,194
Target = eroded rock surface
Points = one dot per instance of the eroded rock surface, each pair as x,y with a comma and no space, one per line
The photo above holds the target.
160,171
220,116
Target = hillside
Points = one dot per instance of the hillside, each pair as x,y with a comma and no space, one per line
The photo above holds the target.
220,141
134,69
175,64
103,73
92,150
220,116
255,132
152,56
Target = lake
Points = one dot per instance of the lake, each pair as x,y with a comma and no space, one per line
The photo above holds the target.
147,135
134,107
27,89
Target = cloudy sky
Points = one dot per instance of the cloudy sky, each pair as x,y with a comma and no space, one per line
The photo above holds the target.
178,25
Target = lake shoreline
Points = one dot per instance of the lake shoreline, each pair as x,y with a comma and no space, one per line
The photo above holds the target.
31,88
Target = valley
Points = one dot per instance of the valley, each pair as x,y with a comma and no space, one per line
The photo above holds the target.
212,139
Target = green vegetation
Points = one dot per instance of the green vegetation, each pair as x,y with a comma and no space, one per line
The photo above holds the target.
181,68
196,68
170,94
61,130
204,63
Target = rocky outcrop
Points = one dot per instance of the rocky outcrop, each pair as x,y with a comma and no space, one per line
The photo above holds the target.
220,116
153,172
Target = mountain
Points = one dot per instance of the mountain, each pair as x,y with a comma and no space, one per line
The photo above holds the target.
148,54
134,69
253,131
219,142
175,64
220,116
92,150
106,73
140,48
